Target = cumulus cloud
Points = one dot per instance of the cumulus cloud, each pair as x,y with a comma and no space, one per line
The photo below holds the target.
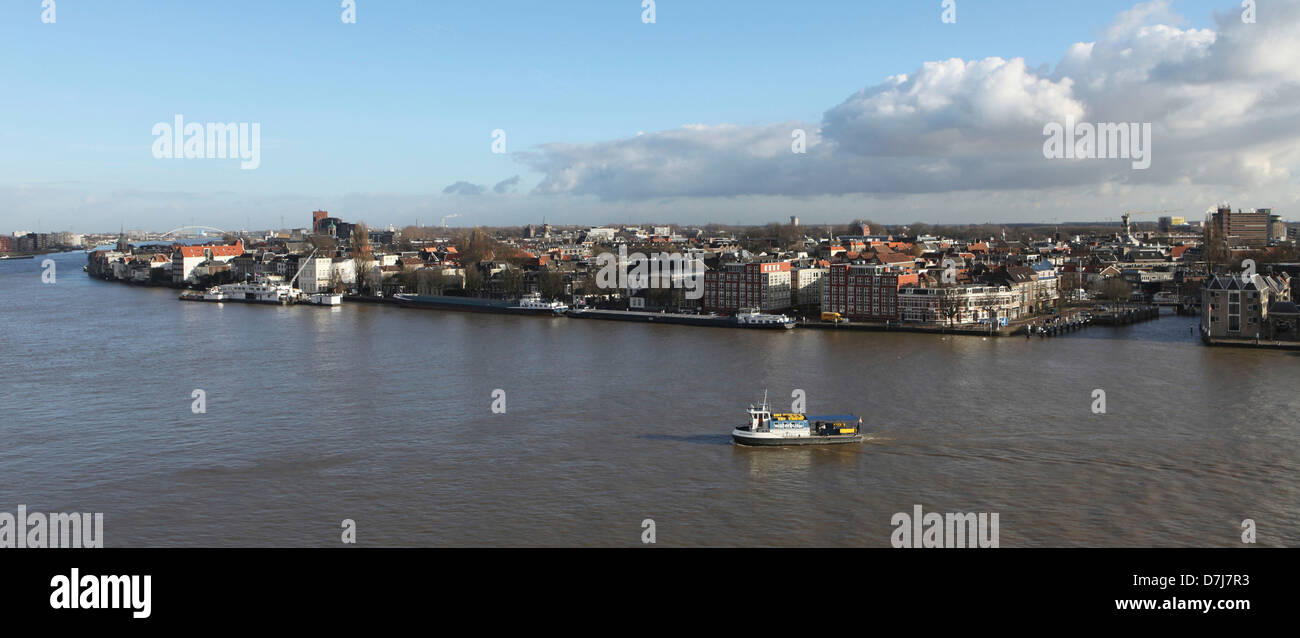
1222,104
506,185
464,188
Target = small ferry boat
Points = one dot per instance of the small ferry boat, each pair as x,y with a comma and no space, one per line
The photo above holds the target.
766,428
752,318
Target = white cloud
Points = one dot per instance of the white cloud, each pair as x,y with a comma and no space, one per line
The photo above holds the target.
1222,103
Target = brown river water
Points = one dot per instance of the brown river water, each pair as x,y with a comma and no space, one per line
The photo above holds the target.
384,415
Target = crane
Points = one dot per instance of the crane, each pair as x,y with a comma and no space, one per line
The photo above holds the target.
303,266
446,217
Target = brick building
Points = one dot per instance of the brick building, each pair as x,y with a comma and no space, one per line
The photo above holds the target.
763,285
865,292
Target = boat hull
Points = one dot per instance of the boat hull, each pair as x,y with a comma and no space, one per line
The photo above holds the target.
540,312
653,317
744,437
766,326
264,302
472,304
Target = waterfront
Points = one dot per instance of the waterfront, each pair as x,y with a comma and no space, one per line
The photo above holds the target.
382,415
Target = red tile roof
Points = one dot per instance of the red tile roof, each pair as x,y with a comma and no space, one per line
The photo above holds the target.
234,250
894,258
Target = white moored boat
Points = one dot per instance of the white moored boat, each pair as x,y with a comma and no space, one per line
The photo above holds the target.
325,299
752,318
532,303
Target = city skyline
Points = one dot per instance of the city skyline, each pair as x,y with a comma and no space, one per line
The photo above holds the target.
393,118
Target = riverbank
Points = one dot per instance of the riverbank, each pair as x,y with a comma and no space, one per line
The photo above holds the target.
1263,344
1073,319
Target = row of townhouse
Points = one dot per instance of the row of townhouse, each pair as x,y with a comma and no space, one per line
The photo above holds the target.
959,304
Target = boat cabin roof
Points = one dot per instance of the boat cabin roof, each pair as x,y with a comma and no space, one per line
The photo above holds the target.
832,417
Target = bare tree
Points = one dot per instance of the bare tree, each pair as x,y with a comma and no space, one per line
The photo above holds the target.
473,279
430,281
324,244
552,284
512,281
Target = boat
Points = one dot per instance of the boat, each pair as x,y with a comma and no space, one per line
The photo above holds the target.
261,291
325,299
766,428
752,318
266,290
673,318
532,303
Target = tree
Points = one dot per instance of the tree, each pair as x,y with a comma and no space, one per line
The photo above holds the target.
587,284
430,281
948,304
369,277
1069,285
473,279
660,297
336,279
323,244
1114,289
475,246
551,284
512,281
359,241
408,280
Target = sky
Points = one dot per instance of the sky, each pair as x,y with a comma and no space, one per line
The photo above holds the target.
602,116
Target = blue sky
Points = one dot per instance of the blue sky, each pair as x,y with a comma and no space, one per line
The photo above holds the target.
375,119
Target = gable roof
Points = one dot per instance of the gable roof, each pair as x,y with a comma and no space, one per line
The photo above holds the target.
233,250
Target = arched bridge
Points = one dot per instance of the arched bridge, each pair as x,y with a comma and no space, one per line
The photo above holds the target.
194,229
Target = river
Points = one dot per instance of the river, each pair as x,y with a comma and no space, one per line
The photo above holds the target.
383,415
